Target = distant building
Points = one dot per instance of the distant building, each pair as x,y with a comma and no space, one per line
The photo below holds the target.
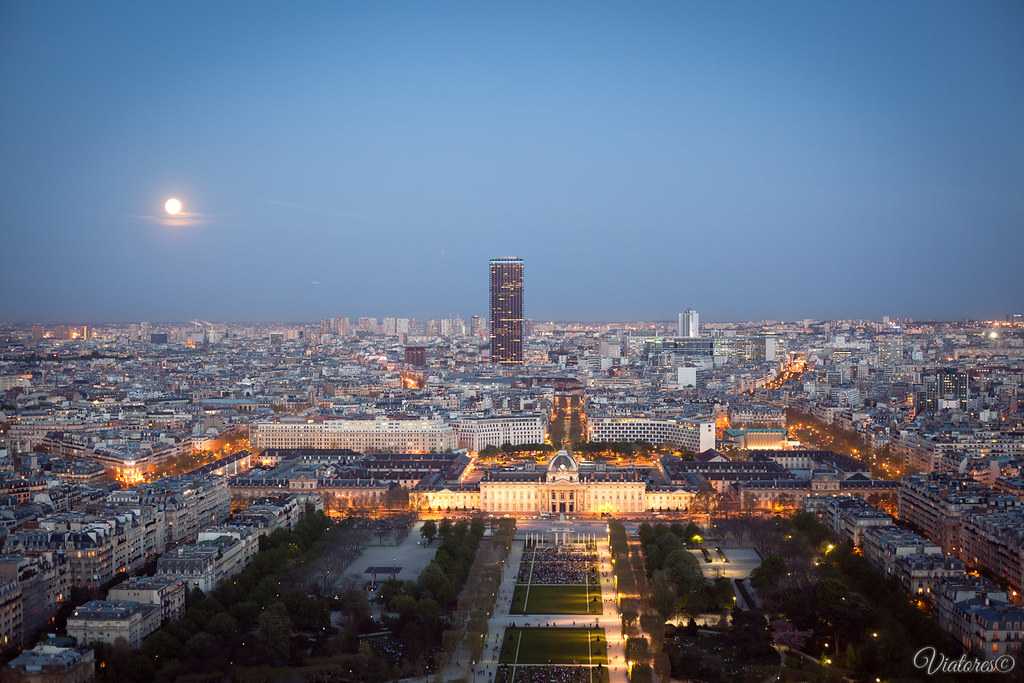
416,356
945,385
158,338
689,324
507,311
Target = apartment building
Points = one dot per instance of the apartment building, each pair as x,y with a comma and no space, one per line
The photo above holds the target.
162,591
108,621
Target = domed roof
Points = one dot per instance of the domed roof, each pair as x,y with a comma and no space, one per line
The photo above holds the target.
562,462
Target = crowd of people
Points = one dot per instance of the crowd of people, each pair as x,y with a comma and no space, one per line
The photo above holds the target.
550,674
562,565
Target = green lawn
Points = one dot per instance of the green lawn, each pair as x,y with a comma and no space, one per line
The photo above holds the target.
572,599
554,646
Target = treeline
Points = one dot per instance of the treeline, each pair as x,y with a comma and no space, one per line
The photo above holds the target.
256,618
416,610
677,583
468,622
509,449
623,448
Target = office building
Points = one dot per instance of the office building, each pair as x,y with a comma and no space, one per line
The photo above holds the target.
507,311
689,323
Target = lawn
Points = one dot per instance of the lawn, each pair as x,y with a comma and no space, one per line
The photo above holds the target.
554,646
547,599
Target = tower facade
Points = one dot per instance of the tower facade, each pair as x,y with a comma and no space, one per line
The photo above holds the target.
507,311
689,324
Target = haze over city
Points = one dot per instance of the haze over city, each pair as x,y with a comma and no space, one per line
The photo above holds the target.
762,162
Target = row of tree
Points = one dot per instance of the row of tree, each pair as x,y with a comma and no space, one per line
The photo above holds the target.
509,449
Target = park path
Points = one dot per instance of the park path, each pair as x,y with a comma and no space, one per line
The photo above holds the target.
609,619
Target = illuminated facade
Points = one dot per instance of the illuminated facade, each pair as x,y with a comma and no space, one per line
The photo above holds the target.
507,311
563,487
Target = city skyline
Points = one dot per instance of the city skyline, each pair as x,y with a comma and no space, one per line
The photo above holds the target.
754,162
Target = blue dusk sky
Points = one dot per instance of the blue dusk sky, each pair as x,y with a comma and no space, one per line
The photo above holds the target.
750,160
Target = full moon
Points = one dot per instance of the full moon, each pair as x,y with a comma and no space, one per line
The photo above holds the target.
173,206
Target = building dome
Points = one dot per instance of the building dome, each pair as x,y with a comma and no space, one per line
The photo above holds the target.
562,462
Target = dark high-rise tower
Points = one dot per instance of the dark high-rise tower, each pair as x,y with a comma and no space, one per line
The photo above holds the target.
507,311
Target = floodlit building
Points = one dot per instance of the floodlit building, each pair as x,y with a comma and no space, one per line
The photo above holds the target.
564,486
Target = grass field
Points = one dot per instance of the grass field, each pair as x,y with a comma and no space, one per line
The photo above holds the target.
554,646
546,599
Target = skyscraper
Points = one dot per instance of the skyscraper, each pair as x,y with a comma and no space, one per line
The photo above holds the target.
507,311
689,323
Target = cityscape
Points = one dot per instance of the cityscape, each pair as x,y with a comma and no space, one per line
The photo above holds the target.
433,344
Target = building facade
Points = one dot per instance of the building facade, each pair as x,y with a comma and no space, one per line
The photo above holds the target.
563,487
691,435
364,436
475,434
507,311
689,324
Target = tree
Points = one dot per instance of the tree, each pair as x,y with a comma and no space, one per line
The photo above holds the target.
663,595
429,531
274,628
641,673
637,650
662,666
428,611
224,626
202,646
434,580
767,576
630,613
396,498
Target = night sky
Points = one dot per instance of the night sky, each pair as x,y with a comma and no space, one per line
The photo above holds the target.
761,160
